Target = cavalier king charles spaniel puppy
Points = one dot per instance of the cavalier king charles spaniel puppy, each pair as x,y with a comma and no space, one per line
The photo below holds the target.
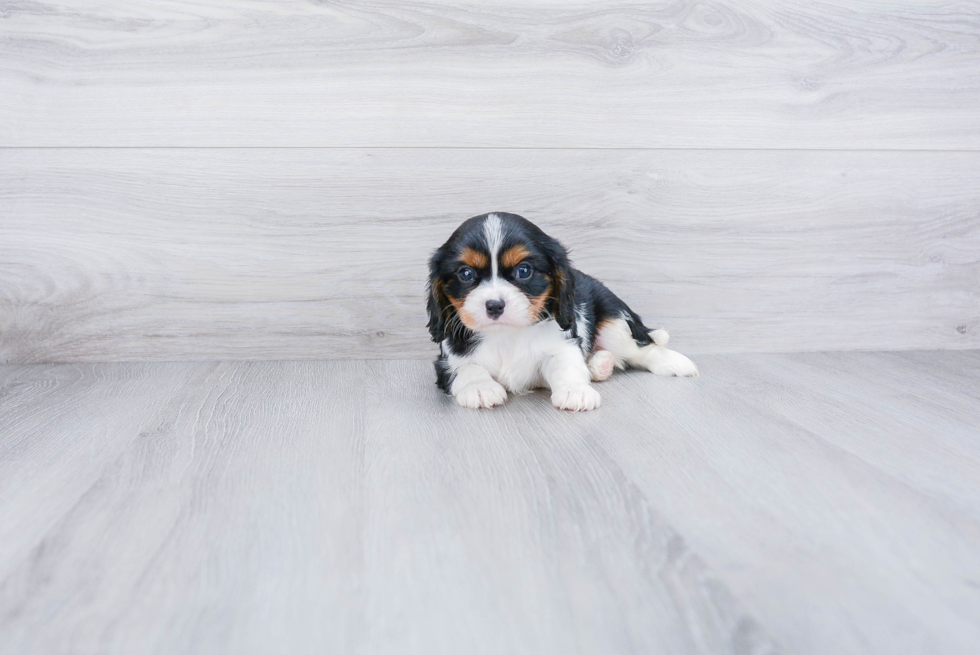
511,314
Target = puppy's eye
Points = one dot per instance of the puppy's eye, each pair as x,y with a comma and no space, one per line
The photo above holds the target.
523,271
465,274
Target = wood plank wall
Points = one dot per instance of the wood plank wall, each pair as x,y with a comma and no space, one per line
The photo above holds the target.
258,179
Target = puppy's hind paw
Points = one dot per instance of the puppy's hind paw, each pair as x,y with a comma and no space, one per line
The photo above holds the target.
581,398
601,365
482,395
661,361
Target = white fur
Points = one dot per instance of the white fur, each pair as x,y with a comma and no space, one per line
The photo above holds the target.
519,359
493,232
661,361
516,305
617,339
474,388
514,356
601,365
522,359
576,399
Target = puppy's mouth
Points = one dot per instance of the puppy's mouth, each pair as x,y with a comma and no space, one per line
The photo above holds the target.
495,319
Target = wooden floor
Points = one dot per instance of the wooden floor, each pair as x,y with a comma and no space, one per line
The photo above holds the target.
812,503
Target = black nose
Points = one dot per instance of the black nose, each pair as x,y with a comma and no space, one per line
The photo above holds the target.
495,308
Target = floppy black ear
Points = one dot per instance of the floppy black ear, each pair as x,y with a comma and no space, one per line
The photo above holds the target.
563,281
436,303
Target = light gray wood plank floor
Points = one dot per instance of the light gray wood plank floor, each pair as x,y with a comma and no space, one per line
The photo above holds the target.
809,503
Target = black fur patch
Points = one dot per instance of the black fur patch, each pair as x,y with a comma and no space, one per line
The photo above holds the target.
601,304
444,376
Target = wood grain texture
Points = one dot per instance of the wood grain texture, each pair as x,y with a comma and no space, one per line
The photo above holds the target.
265,509
809,466
680,74
810,503
291,254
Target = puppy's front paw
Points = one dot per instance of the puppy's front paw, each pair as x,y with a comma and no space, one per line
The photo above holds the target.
670,362
482,394
580,398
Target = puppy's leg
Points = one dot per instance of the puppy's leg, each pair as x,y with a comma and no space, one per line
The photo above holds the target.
601,365
474,388
568,377
615,336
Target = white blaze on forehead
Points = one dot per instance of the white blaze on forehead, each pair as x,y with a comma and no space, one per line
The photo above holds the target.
516,303
493,232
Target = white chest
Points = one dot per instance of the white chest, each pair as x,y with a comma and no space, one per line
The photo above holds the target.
513,357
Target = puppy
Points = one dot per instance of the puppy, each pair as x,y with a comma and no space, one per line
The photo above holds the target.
511,314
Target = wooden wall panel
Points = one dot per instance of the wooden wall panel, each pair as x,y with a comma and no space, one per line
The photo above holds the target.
880,74
129,254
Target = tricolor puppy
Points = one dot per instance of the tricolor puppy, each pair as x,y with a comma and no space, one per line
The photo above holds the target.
510,314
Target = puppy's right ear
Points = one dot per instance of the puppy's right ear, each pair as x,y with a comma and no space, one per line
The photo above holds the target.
436,303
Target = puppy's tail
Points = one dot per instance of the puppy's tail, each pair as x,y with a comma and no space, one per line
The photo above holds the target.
660,337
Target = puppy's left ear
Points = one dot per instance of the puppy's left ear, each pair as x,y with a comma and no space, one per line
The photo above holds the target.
436,302
563,283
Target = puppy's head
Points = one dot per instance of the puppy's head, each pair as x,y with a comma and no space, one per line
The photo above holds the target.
499,271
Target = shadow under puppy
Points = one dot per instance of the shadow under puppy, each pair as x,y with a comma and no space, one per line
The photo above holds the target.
511,314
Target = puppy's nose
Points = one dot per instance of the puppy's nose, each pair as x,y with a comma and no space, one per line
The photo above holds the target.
495,308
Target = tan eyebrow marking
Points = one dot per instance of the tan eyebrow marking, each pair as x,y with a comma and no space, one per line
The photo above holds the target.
514,256
473,258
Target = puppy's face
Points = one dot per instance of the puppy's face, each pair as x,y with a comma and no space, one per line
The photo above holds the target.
498,271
